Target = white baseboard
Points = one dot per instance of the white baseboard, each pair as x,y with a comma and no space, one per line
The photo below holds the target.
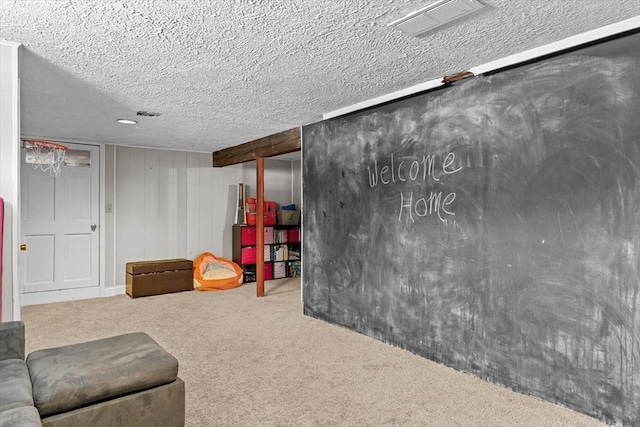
46,297
116,290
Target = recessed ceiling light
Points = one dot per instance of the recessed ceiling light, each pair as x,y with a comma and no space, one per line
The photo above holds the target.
127,121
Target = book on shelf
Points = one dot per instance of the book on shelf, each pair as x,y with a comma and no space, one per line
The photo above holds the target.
281,236
280,253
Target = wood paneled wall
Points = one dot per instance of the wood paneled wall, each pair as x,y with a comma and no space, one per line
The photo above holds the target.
173,204
277,179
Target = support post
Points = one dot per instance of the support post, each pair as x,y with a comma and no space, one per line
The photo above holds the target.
260,227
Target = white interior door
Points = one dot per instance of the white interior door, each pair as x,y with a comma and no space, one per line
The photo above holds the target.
59,227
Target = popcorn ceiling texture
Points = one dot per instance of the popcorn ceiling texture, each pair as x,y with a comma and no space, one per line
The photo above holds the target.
222,73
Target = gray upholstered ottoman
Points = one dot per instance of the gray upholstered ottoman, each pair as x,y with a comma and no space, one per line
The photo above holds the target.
126,380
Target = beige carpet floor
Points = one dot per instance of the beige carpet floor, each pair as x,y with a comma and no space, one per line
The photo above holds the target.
250,361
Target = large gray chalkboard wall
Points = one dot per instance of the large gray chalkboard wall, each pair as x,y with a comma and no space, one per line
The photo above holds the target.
493,226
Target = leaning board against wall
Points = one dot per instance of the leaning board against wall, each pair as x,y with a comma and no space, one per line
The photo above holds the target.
493,226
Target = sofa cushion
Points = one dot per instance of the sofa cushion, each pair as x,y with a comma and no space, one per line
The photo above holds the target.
15,384
12,340
66,378
25,416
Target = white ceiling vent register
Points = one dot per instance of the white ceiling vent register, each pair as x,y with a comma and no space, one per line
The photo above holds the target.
435,15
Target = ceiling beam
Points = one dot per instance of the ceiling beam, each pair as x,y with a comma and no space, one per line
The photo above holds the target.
268,146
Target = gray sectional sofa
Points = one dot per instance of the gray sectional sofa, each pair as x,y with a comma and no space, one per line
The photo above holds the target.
126,380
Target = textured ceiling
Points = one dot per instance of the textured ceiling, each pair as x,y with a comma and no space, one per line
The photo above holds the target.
221,73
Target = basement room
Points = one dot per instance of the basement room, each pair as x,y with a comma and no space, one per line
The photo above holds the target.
300,213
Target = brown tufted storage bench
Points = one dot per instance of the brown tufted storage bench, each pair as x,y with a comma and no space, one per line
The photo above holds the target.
126,380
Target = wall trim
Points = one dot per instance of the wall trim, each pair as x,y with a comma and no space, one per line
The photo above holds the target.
11,189
528,55
115,290
62,295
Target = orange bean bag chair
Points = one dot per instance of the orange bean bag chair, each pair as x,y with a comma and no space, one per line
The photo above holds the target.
211,273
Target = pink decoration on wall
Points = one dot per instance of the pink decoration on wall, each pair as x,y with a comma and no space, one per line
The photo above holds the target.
1,238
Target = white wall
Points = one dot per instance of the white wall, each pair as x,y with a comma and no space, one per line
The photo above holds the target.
174,204
109,217
9,156
168,204
277,180
296,183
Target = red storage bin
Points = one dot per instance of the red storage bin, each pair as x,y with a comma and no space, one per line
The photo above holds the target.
269,206
269,218
294,235
268,271
247,236
250,203
248,255
252,207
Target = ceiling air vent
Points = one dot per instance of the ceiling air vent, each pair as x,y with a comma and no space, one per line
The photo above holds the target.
147,114
435,15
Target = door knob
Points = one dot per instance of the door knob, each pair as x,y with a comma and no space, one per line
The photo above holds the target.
93,227
23,247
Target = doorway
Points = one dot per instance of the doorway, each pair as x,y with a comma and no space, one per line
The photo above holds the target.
60,238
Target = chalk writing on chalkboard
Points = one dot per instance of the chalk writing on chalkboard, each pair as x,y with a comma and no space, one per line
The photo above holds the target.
428,168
